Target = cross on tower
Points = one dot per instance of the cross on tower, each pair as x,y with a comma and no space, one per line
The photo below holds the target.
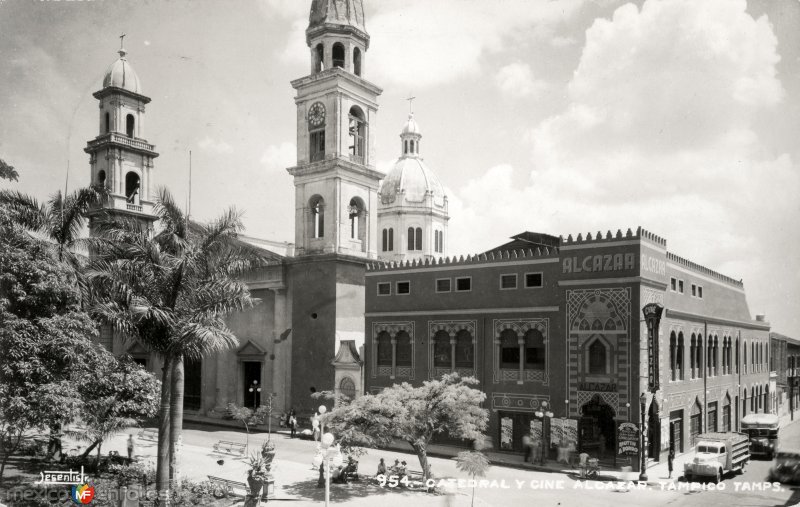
410,104
121,38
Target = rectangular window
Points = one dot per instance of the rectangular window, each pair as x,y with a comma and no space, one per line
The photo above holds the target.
464,284
443,285
700,291
673,284
508,282
317,145
403,288
694,290
533,280
694,426
384,289
680,286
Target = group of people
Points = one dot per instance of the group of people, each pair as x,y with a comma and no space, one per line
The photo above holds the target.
398,469
339,474
290,421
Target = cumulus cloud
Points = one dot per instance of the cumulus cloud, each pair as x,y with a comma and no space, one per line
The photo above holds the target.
517,80
660,131
279,157
217,146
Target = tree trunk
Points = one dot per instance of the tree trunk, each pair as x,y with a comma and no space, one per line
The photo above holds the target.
54,444
90,449
9,450
422,455
97,460
176,418
162,462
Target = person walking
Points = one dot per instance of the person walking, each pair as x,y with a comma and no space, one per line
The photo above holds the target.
527,448
670,460
292,423
131,447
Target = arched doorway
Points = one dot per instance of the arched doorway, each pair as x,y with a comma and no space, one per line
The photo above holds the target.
653,431
597,428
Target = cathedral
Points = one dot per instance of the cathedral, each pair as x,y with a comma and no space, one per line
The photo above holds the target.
307,334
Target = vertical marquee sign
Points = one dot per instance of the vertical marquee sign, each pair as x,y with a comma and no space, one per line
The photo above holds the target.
652,316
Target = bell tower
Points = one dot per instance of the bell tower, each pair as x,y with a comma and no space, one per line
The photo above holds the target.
336,197
335,179
120,158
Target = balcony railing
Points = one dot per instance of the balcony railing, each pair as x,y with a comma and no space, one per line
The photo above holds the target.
134,207
115,137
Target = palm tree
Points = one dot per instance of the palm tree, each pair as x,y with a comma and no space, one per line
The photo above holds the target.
170,291
474,463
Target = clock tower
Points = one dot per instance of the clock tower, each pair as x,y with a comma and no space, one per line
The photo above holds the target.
336,195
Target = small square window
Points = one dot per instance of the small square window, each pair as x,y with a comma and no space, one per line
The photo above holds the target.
508,281
403,288
533,280
680,286
384,289
694,290
700,291
464,284
673,284
443,285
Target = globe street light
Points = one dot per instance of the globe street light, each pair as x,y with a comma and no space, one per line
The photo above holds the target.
329,455
256,390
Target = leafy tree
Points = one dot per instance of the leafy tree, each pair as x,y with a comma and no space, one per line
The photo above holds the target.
7,172
170,291
475,464
44,336
248,417
116,394
413,414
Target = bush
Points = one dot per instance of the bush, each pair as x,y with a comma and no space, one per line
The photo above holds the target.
134,473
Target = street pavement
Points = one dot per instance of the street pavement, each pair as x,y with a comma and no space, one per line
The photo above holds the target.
296,480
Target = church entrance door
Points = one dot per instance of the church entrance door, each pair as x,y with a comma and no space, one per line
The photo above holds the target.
252,383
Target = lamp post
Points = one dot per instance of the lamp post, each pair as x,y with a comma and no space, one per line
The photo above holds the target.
256,390
643,405
269,415
329,455
545,416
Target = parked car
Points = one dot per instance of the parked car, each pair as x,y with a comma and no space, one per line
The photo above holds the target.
717,454
763,432
786,468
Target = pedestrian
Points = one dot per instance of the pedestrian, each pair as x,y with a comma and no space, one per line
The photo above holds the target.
321,481
670,460
131,447
526,448
292,423
381,468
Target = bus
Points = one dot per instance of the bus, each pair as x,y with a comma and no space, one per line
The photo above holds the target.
763,432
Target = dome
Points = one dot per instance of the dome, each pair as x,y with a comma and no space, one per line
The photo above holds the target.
121,75
412,179
411,126
348,13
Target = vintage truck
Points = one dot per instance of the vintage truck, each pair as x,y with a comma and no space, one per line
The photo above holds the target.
763,432
717,454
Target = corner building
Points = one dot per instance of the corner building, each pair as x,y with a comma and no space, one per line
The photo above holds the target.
553,324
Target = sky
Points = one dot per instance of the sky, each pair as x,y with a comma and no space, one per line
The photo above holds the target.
554,116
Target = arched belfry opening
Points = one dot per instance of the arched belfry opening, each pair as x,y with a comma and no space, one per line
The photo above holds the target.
357,61
130,124
132,182
319,58
358,224
101,178
316,207
357,132
338,55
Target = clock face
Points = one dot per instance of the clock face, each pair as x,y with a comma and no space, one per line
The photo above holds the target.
316,114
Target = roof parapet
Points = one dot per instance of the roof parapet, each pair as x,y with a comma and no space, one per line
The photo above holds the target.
499,257
641,234
703,270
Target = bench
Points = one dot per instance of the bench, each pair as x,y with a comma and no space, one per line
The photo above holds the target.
240,489
230,447
148,434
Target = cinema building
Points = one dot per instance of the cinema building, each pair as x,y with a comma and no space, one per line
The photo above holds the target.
553,329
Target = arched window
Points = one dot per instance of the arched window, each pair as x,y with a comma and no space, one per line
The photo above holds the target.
535,356
132,188
391,239
597,357
465,357
410,239
673,351
403,348
319,58
692,356
412,147
357,130
744,400
357,61
418,236
385,240
715,355
130,123
108,123
709,353
384,349
679,359
442,350
737,355
699,358
744,355
338,55
752,357
316,206
509,350
101,178
347,388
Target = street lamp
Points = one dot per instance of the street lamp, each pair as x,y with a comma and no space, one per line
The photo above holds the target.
643,405
256,390
545,416
330,455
